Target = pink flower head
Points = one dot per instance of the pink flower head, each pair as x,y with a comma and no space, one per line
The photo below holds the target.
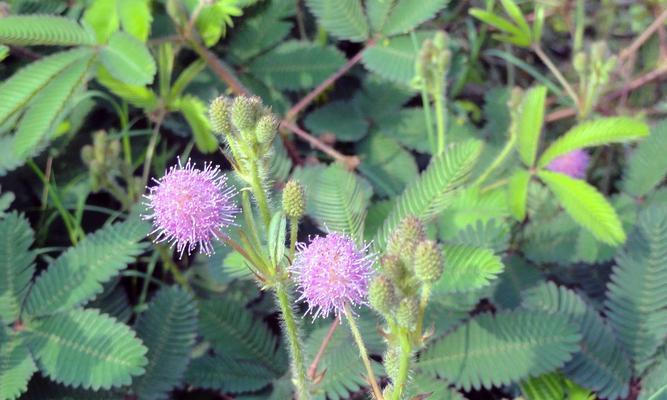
573,164
332,271
191,206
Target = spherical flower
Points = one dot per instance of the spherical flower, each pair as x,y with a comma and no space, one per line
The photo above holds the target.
332,271
573,164
191,207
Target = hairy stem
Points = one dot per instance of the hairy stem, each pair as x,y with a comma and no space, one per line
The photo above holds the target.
312,369
293,232
294,341
150,149
403,366
364,354
423,302
260,195
439,100
554,70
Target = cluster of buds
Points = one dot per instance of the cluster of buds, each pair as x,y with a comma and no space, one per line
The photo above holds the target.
248,128
410,266
593,69
432,62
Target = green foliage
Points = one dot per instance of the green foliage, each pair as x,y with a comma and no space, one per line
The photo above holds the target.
337,199
84,348
260,32
128,60
107,16
16,365
387,165
401,16
586,206
516,31
30,30
601,364
544,387
195,113
636,299
344,19
136,95
168,329
517,191
517,277
467,268
647,167
532,343
327,120
594,133
492,234
225,322
392,59
225,373
78,274
16,265
427,196
296,65
46,109
529,125
654,386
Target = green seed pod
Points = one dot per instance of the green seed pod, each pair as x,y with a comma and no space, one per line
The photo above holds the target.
392,361
404,239
381,294
245,111
407,312
393,267
266,129
218,113
294,200
428,262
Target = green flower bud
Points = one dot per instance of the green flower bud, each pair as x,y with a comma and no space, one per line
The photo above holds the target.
245,111
393,267
266,129
388,391
294,200
218,113
87,154
440,40
579,62
404,239
392,361
408,310
381,294
428,262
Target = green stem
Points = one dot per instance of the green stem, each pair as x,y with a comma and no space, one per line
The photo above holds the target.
169,265
498,161
260,195
439,99
294,230
579,25
403,366
554,70
423,301
363,353
426,102
294,341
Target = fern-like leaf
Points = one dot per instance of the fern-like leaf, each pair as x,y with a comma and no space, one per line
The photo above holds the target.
30,30
529,124
297,65
647,165
393,59
408,14
168,328
427,196
16,365
18,90
78,274
46,110
139,96
654,384
234,333
586,206
16,265
637,295
601,363
339,200
468,268
128,60
531,343
344,19
224,373
594,133
544,387
85,348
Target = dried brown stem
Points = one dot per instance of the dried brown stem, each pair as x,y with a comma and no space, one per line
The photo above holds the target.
312,369
641,39
351,162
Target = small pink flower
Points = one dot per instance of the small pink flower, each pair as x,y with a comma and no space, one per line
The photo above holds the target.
331,272
191,206
573,164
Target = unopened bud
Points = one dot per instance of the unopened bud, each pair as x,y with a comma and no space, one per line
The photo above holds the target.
404,239
428,262
381,294
393,267
266,129
218,113
408,310
245,111
392,361
294,200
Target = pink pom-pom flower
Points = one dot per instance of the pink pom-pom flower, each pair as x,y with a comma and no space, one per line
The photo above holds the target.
573,164
332,271
191,207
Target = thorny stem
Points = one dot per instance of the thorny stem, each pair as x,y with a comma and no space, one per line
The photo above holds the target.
363,353
294,341
260,195
312,370
403,366
554,70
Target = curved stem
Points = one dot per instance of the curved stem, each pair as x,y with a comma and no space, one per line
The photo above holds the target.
292,332
554,70
260,195
312,369
498,161
363,353
423,301
404,365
